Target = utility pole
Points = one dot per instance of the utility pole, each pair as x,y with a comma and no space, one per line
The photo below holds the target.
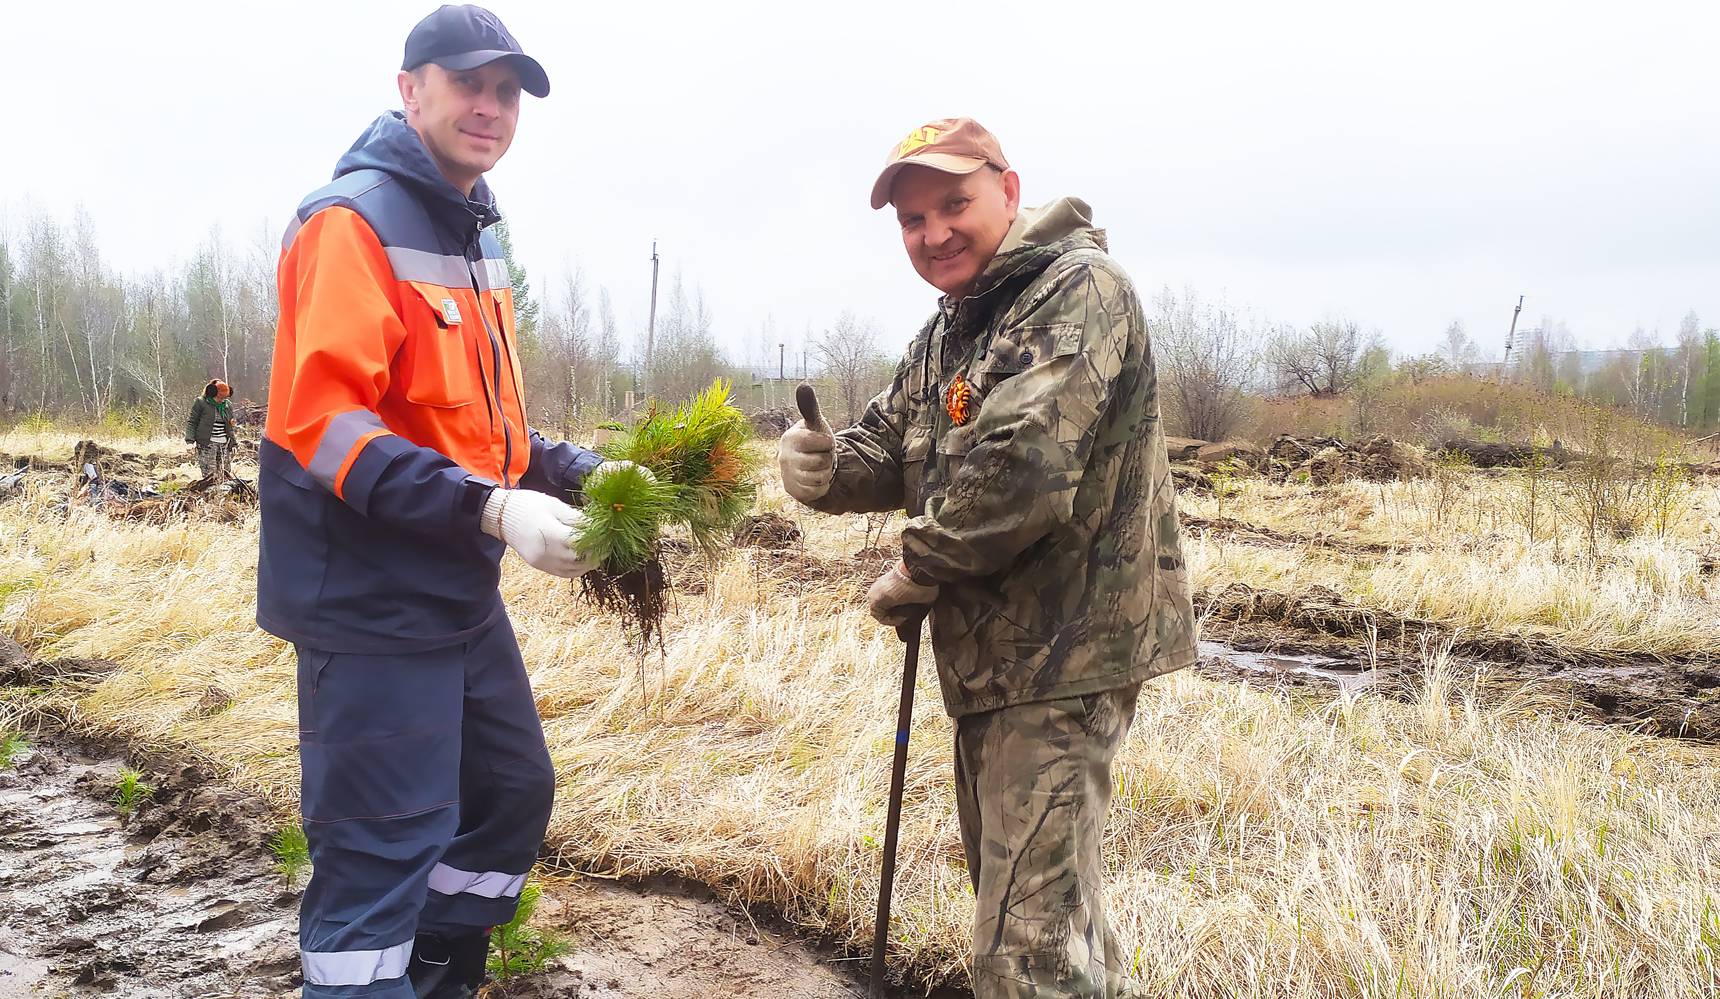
650,325
781,361
1510,340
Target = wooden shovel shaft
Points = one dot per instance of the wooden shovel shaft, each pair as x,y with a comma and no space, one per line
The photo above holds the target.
910,634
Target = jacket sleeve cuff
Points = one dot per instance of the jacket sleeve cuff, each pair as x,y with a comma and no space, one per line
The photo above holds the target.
558,469
398,482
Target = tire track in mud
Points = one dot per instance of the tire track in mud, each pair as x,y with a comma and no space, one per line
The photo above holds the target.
1672,696
180,899
1676,696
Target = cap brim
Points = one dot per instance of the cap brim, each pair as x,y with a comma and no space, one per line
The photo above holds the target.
532,77
942,162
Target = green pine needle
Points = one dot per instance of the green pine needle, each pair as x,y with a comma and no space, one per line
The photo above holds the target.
624,513
706,477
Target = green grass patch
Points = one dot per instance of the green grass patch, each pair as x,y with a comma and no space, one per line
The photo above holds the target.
129,790
11,744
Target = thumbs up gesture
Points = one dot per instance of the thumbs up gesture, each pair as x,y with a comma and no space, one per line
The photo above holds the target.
807,452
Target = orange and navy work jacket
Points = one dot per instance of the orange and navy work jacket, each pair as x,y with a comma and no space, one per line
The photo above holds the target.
395,407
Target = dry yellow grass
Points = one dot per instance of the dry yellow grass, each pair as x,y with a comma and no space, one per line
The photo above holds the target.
1261,847
1467,561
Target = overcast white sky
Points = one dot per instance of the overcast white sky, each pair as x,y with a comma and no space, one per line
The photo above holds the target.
1403,165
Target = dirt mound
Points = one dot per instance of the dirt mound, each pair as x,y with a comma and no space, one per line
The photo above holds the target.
1231,453
1292,451
1327,460
1190,479
1486,454
17,669
223,503
773,422
1183,448
769,531
669,940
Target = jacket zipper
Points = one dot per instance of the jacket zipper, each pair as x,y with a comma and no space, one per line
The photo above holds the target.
496,375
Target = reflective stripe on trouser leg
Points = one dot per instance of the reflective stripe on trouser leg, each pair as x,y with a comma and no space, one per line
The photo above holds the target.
1033,784
380,750
506,789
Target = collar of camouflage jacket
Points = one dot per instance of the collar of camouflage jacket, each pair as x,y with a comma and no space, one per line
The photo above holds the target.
1036,238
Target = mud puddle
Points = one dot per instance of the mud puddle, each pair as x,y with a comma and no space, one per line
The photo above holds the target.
180,899
1673,698
1283,670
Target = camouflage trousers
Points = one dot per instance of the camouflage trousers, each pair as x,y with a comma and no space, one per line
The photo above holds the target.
215,460
1033,784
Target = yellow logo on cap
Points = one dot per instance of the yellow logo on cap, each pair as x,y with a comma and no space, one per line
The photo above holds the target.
919,138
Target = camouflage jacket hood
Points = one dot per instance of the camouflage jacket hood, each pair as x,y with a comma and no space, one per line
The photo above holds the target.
1021,434
1037,238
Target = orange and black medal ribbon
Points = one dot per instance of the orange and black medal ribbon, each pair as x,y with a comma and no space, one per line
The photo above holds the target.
958,401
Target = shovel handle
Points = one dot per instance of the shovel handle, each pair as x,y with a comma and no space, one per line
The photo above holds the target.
910,634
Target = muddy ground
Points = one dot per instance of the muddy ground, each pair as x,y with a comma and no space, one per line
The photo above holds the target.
1673,696
1316,640
181,898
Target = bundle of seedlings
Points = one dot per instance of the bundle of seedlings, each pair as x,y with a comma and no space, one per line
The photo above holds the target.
700,478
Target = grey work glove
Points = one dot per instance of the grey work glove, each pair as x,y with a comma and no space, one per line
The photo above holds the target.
807,459
539,527
895,599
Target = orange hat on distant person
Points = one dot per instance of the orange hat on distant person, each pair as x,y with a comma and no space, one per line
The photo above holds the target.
953,145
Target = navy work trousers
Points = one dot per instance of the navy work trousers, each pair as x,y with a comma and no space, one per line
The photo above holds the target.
426,792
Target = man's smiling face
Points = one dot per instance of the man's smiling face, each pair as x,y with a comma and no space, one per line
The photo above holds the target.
952,224
465,117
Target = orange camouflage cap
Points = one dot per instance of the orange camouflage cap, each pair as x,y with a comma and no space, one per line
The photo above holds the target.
953,145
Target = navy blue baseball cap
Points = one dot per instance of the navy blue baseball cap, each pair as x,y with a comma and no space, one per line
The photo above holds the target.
466,36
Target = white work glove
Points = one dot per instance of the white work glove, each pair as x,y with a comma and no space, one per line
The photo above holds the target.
539,527
807,459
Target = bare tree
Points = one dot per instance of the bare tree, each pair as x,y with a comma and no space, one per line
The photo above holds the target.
686,358
1692,366
1457,349
9,345
848,352
1324,360
608,349
151,366
1207,359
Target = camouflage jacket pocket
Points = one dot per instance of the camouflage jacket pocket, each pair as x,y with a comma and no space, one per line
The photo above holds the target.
953,449
1021,348
916,448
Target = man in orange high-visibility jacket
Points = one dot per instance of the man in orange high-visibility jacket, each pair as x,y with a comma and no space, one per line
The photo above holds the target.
396,463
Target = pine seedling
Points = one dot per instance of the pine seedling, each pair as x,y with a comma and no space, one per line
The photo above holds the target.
292,852
129,790
521,949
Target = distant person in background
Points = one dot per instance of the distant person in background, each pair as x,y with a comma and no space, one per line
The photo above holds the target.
210,427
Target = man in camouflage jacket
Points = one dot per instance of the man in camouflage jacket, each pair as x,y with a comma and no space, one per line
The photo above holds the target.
1021,434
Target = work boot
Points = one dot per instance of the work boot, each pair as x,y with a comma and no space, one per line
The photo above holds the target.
448,967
